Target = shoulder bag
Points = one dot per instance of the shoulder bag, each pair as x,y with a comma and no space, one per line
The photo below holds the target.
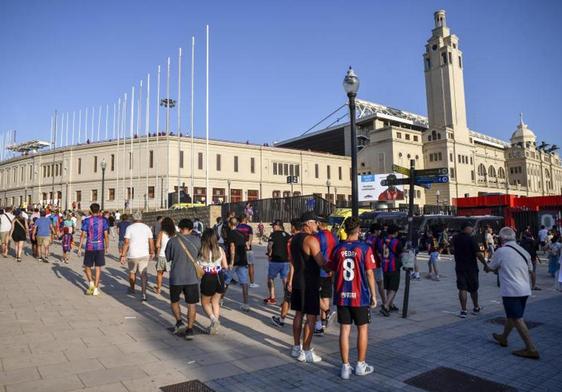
198,270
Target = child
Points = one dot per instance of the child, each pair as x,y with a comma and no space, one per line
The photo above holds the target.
433,258
67,237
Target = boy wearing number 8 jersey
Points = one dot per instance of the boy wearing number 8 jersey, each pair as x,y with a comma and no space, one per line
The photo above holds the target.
355,292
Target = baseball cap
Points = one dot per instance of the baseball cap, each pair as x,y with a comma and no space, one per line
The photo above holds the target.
309,215
277,222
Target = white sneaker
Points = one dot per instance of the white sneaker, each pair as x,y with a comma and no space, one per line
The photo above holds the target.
346,371
296,351
311,356
362,369
96,291
254,285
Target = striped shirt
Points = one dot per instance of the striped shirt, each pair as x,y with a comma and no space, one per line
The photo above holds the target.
95,226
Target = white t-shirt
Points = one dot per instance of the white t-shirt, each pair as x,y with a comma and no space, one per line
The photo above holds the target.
138,235
6,220
163,242
117,216
513,270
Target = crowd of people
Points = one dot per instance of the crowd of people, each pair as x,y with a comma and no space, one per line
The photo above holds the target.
317,272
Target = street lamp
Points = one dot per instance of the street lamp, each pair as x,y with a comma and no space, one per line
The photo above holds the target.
103,167
437,194
228,198
351,85
328,184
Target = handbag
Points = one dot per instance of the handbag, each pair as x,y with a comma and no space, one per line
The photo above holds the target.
198,270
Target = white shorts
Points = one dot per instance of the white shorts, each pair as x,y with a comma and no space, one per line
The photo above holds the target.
139,264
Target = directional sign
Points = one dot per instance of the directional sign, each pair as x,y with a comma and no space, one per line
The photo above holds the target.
432,180
401,170
405,181
442,171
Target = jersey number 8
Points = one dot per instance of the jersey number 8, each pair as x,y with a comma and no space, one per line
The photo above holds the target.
348,269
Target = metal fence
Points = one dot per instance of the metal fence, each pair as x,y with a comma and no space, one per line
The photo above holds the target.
286,208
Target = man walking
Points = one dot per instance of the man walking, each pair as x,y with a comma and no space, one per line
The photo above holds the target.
513,265
306,258
355,292
390,248
244,228
181,251
94,231
42,231
467,252
277,253
237,261
138,250
6,219
327,245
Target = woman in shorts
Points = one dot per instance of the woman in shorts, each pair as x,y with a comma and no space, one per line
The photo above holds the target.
19,233
213,261
167,231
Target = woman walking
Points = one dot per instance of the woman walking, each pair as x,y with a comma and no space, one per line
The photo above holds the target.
167,231
213,261
19,233
67,239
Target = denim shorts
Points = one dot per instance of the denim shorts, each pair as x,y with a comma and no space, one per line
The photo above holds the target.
276,267
241,273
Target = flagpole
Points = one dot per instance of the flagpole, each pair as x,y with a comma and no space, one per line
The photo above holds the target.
106,120
66,131
157,186
92,128
62,129
99,123
114,113
79,124
137,136
167,134
191,115
73,126
207,121
118,134
123,125
132,123
179,124
147,130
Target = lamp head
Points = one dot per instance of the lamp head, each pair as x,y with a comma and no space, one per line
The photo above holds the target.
351,82
103,164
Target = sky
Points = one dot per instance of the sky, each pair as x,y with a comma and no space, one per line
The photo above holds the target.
276,67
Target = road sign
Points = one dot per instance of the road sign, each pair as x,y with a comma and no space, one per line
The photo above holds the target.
401,170
292,179
432,179
442,171
405,181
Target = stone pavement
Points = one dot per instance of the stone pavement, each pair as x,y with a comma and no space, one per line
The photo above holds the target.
54,338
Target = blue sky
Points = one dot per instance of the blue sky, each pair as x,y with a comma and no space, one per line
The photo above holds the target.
276,67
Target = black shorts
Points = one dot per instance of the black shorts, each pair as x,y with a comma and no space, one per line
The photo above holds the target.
391,280
326,287
212,284
94,258
190,292
467,281
359,315
306,301
514,307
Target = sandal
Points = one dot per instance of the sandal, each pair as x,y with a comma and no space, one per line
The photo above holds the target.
524,353
500,339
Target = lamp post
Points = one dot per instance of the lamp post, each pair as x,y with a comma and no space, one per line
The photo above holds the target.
351,86
228,196
103,165
437,194
65,170
328,184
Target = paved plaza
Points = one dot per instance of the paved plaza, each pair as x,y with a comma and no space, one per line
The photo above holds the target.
54,338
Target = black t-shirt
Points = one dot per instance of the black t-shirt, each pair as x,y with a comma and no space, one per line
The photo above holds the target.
466,249
279,241
237,238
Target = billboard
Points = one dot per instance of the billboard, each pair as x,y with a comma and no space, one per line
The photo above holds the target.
370,188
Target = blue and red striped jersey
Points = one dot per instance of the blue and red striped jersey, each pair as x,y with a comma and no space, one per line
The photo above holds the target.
373,241
327,245
389,250
95,227
351,261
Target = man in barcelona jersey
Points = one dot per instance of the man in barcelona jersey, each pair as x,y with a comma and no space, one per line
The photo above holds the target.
355,291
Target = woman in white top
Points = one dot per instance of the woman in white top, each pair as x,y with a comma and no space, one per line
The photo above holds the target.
213,261
167,231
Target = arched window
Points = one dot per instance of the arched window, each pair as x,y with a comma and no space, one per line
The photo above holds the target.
482,170
492,171
501,172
